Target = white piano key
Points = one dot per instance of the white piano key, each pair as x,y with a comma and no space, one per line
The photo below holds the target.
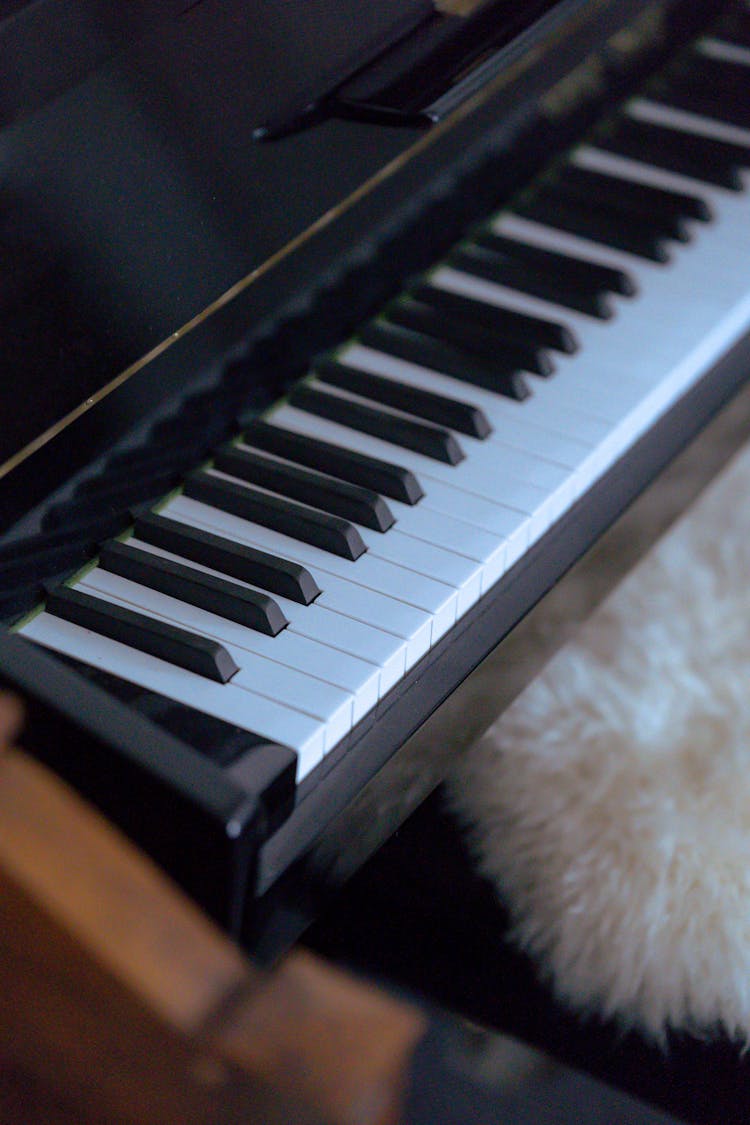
423,558
229,702
294,670
629,168
508,527
458,535
437,599
329,704
360,604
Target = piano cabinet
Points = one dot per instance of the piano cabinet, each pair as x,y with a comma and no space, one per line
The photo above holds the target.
372,358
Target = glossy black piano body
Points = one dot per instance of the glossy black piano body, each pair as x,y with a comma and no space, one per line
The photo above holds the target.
157,245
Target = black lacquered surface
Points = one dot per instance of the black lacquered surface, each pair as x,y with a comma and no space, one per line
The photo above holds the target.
132,192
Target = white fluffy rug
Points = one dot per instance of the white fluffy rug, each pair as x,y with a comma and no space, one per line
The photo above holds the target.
611,803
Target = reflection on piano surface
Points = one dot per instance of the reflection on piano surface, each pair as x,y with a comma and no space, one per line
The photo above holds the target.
355,434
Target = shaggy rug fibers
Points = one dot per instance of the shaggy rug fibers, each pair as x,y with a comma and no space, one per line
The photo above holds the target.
610,804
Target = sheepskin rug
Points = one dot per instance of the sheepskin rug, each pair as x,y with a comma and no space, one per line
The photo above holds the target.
610,804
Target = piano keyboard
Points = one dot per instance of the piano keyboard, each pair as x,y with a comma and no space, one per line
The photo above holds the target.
406,474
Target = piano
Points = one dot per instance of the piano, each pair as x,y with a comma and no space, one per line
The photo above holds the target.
333,337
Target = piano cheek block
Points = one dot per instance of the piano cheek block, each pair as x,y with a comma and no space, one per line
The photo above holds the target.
269,771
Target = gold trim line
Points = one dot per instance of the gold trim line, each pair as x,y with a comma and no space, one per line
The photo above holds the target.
435,133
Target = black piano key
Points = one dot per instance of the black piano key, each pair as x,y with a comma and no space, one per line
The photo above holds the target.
474,340
436,356
664,204
136,630
735,28
206,591
579,273
443,411
329,533
598,224
707,86
713,104
665,224
702,158
389,480
288,579
536,281
266,768
430,441
339,498
507,323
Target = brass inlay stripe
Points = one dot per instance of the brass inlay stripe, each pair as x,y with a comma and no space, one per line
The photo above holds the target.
475,102
458,7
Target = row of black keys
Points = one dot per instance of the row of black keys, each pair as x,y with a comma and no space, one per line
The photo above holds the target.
288,493
430,326
442,330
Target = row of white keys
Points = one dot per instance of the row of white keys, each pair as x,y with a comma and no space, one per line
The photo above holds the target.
393,585
539,508
641,388
651,352
526,475
459,553
402,550
548,423
628,370
643,109
277,667
345,637
286,684
532,425
230,702
465,523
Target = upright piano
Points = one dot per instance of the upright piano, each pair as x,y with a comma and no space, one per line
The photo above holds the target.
333,335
